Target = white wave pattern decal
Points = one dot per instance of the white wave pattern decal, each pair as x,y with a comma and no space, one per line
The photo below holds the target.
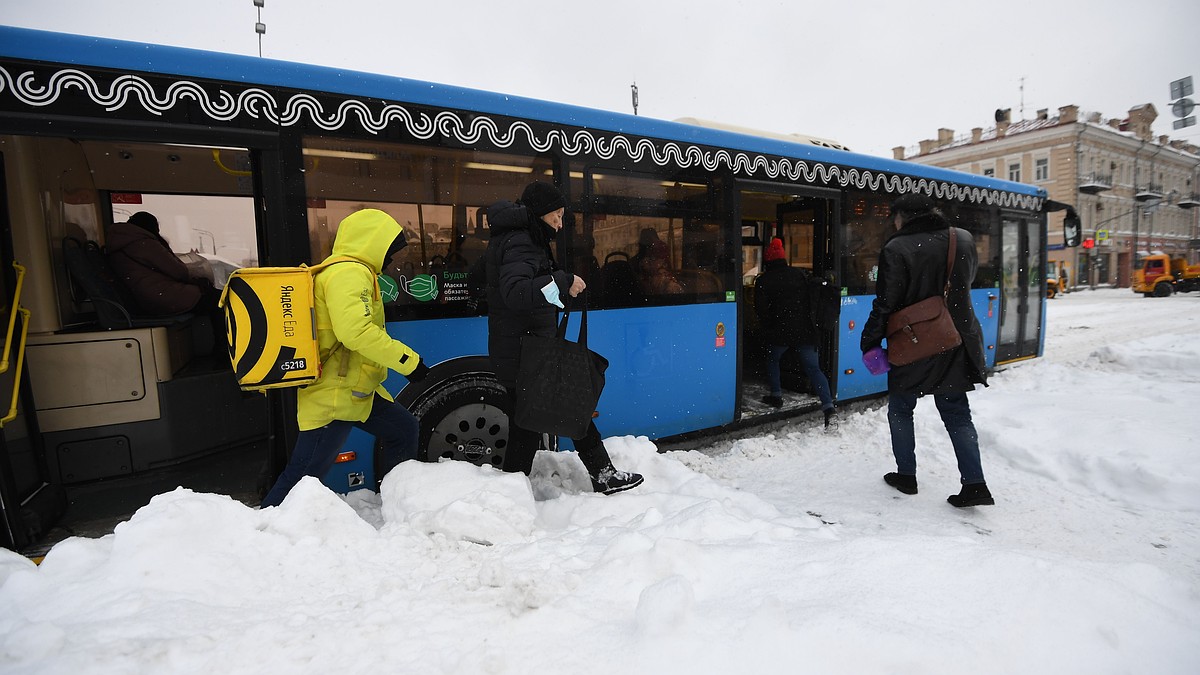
479,129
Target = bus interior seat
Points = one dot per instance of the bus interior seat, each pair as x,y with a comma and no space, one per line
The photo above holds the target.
619,283
93,280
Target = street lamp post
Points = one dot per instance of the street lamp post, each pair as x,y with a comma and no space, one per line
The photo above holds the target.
259,26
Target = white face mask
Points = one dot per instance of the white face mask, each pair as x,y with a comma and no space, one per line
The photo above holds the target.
550,290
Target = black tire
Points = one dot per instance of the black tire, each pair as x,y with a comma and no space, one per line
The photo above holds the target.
464,419
1162,289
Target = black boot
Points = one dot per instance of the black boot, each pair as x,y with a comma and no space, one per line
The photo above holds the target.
608,480
973,494
831,421
773,401
903,483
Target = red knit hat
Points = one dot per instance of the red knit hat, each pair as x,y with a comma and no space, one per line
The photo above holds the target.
774,250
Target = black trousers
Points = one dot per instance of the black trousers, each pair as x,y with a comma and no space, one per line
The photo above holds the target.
523,444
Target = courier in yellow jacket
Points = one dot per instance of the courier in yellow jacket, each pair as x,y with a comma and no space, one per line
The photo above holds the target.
356,353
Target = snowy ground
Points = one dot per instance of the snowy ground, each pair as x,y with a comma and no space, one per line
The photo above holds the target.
772,553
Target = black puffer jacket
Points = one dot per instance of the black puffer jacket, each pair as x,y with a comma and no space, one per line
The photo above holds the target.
519,264
783,302
912,267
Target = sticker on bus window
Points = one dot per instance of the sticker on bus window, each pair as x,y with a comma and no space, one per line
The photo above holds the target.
730,296
422,287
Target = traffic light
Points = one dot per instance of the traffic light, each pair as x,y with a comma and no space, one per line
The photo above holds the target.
1089,243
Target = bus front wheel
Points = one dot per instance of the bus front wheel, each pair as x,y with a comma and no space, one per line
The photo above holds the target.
464,419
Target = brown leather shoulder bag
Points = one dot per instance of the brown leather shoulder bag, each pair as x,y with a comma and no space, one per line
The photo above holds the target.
925,328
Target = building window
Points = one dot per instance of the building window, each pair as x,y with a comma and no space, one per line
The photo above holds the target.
1041,169
1014,172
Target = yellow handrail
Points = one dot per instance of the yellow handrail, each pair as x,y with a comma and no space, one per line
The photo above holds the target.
12,317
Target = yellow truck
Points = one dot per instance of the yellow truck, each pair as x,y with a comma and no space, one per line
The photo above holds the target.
1161,275
1057,273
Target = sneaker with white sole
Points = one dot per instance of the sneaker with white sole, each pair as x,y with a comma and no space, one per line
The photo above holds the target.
609,481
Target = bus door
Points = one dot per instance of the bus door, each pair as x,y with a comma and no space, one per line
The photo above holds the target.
1022,288
804,223
121,405
29,503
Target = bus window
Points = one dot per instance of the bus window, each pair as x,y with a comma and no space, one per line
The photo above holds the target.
438,195
978,221
649,241
865,228
213,235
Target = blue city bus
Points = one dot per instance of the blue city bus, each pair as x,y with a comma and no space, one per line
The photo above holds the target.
248,162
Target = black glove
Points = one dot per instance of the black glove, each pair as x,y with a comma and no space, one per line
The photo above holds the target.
419,372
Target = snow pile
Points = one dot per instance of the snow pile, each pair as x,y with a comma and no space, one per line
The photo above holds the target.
776,552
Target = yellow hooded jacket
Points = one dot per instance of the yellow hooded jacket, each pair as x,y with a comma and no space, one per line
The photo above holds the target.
355,350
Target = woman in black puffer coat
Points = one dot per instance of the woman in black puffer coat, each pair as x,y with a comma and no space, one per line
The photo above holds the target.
522,280
912,267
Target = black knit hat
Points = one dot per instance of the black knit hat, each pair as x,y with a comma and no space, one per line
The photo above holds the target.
542,198
144,220
911,205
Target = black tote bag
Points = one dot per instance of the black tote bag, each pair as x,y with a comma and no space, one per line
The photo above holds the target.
559,382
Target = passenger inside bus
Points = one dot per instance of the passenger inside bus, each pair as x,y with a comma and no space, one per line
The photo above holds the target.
157,279
655,269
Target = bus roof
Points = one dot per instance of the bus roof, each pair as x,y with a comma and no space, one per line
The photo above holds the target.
64,48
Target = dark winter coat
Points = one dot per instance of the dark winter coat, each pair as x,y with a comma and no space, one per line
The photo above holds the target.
783,303
158,280
912,267
519,263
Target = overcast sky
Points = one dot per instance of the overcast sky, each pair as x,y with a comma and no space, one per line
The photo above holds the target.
872,75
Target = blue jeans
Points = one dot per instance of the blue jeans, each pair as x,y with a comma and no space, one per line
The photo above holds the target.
956,415
316,449
808,360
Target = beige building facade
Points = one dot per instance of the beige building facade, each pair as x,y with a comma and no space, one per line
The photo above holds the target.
1135,193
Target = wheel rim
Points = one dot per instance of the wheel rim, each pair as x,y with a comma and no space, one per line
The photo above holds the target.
475,432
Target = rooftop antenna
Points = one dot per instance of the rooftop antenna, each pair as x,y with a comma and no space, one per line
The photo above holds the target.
259,26
1022,98
633,88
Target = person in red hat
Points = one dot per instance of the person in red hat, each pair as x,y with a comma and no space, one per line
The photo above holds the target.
783,297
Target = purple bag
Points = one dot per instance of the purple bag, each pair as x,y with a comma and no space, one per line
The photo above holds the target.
876,360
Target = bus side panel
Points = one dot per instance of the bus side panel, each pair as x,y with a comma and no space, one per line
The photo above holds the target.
986,302
853,379
668,371
357,474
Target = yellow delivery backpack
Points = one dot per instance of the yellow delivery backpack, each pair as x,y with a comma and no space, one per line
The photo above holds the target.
270,324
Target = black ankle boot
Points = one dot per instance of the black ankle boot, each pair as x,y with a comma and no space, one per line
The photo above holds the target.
972,494
903,483
831,420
